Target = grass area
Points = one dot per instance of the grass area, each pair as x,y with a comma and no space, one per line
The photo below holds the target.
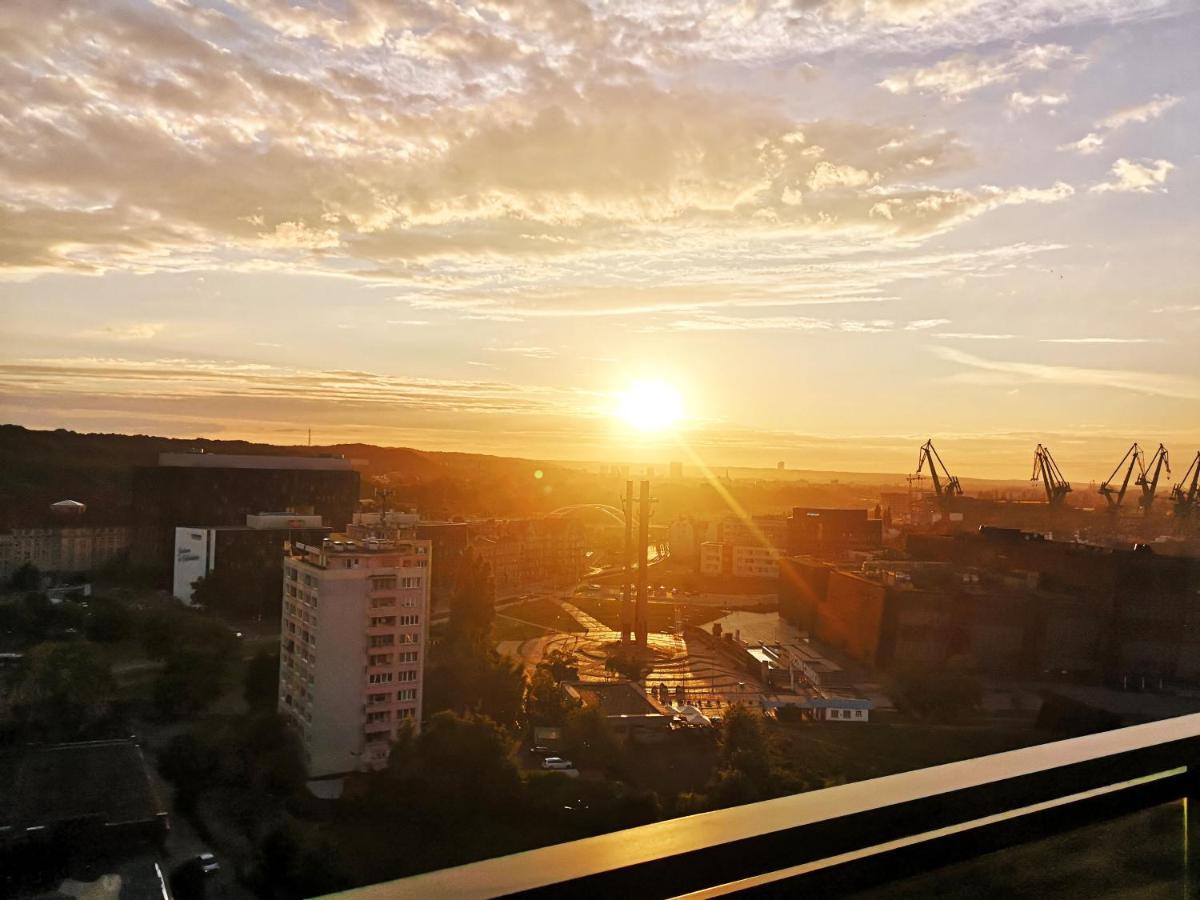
822,754
536,616
659,615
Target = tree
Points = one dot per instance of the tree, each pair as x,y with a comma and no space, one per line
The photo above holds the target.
198,653
108,621
465,675
745,773
589,739
67,689
26,577
473,603
546,703
457,770
260,684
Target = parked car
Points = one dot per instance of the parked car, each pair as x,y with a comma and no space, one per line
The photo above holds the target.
207,864
557,762
538,750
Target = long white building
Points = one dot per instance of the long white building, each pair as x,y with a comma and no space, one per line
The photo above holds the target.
352,647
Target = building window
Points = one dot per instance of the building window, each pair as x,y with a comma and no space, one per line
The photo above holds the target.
376,699
380,678
406,694
382,640
382,602
381,716
405,713
410,675
409,656
410,620
383,582
380,659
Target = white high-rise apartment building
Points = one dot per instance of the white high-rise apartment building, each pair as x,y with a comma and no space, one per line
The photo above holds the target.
352,647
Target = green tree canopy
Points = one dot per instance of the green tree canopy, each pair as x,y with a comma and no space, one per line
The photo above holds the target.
66,690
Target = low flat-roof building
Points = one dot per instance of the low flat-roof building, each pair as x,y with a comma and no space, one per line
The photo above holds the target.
630,711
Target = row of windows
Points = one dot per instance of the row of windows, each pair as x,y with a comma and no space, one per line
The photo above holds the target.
386,715
389,677
389,602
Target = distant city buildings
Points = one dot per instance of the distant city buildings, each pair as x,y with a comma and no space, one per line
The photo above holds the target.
546,551
206,490
63,549
352,648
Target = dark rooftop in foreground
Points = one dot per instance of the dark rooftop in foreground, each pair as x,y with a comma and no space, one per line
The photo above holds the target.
105,783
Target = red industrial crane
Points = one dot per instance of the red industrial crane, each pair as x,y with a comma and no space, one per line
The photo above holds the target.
945,485
1114,496
1158,462
1046,470
1187,496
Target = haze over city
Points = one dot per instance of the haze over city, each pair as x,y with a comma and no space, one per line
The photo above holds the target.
825,230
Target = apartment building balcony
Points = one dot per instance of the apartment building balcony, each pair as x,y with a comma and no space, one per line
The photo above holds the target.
1107,814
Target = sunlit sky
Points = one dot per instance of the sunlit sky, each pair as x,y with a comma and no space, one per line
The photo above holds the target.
836,227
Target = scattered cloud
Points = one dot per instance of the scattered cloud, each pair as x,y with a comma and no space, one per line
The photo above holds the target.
1020,102
1129,176
127,331
956,77
529,352
1101,340
1139,114
1003,372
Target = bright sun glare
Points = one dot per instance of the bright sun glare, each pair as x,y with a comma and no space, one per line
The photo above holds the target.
650,405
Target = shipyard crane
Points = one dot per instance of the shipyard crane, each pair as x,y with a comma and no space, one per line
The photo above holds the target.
945,485
1187,496
1149,484
1114,496
1046,470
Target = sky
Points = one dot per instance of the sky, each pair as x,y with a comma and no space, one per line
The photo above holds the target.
837,227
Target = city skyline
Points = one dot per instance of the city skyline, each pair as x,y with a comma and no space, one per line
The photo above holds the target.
834,228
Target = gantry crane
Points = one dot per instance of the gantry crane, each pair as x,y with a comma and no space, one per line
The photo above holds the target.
1114,496
1046,470
1149,485
945,485
1187,496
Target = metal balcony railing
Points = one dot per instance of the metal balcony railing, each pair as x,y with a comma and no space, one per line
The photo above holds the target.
854,836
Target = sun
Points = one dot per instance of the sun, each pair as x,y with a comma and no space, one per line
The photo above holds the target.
650,405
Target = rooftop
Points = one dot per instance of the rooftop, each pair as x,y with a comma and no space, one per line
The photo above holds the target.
58,783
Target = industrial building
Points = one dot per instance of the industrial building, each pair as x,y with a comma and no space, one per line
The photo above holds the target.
248,558
352,648
211,489
831,533
1012,603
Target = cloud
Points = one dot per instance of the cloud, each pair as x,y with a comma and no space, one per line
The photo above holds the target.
988,371
1139,114
1101,340
128,331
528,352
1136,177
956,77
1020,102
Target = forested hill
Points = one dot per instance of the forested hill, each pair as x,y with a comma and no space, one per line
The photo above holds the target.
38,468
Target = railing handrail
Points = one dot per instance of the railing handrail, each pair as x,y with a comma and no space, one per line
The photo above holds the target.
841,818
